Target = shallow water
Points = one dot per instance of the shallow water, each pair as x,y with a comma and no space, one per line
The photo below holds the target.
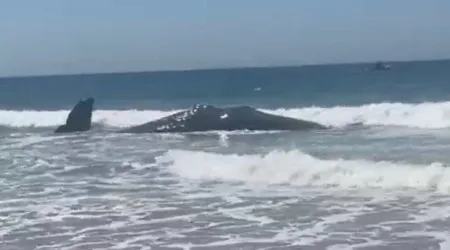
381,184
319,190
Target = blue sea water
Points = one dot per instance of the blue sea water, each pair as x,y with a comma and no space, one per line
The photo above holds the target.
329,85
382,185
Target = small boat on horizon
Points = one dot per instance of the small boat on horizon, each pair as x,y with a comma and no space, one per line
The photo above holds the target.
381,66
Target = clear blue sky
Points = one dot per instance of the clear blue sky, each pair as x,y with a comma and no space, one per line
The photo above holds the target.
72,36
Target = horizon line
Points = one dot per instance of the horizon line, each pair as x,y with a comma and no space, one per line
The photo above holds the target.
216,68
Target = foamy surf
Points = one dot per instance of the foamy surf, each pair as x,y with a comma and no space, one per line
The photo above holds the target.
44,118
427,115
300,169
422,115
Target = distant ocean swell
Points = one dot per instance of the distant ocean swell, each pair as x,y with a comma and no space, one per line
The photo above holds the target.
427,115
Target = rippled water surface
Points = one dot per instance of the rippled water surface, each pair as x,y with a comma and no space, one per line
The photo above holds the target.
338,189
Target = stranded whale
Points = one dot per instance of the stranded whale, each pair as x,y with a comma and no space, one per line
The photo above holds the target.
199,118
209,118
79,118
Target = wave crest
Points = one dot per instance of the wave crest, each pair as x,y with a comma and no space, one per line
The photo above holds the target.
422,115
297,168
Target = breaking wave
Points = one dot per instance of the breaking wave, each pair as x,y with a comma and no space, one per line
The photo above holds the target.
300,169
427,115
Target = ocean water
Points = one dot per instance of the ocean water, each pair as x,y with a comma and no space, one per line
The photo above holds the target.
383,185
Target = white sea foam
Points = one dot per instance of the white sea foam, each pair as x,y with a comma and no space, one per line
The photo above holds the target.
116,118
421,115
107,192
297,168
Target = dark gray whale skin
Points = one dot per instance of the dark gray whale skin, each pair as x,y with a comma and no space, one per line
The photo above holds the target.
79,118
202,118
199,118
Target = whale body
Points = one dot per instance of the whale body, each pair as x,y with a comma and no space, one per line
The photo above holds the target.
199,118
202,118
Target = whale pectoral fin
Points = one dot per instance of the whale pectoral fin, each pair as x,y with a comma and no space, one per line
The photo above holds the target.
79,118
61,129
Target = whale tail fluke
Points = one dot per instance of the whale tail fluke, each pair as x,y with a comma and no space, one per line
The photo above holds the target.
79,118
